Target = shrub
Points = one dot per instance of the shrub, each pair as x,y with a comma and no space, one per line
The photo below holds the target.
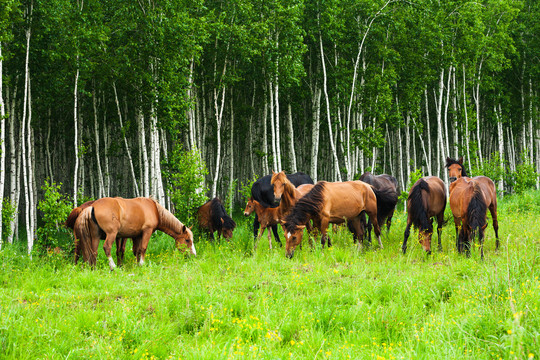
185,172
8,214
525,176
55,208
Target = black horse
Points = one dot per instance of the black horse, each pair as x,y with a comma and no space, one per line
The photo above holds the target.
386,210
263,191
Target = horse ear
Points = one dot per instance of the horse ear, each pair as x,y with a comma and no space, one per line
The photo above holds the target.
191,227
301,227
447,160
183,228
273,172
222,221
460,160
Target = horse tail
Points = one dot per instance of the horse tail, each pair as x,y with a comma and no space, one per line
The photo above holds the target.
476,211
72,217
305,208
416,207
83,232
386,203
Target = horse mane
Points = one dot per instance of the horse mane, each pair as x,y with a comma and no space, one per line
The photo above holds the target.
217,212
72,217
476,211
167,218
286,201
417,209
309,205
450,161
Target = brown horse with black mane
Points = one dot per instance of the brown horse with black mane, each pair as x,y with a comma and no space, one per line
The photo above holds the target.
267,217
335,202
213,217
427,199
469,200
112,218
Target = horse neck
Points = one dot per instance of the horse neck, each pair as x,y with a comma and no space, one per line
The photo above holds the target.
168,223
288,199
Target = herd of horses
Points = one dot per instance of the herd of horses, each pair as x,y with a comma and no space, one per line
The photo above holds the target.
296,203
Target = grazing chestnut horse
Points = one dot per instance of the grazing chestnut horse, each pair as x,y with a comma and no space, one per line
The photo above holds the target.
427,199
213,217
267,216
111,218
383,181
457,171
335,202
263,191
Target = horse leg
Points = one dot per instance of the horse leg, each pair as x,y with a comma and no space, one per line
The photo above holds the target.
369,227
406,237
145,238
357,228
259,236
120,250
136,247
389,221
111,237
493,211
276,235
269,239
440,221
256,225
376,229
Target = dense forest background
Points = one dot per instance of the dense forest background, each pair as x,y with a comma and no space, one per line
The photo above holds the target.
138,98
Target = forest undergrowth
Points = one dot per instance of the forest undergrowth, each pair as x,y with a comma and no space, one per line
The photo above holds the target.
232,302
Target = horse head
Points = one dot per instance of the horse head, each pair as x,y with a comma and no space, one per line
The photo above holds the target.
278,180
455,169
293,239
250,207
424,238
184,240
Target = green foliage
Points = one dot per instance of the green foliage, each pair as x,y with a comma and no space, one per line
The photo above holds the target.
414,177
55,208
184,174
493,168
229,200
525,176
367,139
8,214
245,188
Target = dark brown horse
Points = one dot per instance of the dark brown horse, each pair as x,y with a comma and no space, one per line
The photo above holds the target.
334,203
427,199
383,181
456,170
213,217
112,218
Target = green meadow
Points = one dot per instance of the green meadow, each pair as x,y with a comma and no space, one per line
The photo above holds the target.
230,302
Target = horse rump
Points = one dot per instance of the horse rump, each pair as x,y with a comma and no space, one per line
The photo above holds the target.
386,203
86,232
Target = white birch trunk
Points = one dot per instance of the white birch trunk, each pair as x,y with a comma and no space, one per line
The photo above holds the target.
466,131
15,166
76,137
278,136
440,129
273,127
218,108
476,96
407,148
500,134
428,135
2,143
231,159
447,142
291,134
128,151
144,154
316,109
265,138
101,185
330,131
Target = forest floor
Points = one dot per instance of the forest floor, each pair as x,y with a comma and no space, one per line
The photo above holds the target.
337,303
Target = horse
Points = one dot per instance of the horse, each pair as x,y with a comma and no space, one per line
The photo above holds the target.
213,217
262,191
456,170
111,218
286,192
267,216
381,182
335,203
427,199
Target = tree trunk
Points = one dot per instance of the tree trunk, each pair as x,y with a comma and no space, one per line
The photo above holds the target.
291,134
101,186
15,168
144,153
231,159
219,116
316,109
500,134
128,151
2,143
273,127
278,135
428,134
330,132
76,137
465,109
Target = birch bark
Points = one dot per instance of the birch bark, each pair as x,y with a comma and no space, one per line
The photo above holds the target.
76,137
2,143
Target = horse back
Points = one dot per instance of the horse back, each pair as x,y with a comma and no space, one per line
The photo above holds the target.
128,217
488,188
347,199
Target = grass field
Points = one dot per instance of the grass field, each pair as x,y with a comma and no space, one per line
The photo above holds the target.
335,303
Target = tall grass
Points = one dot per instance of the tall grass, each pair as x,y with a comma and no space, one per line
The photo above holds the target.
232,302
